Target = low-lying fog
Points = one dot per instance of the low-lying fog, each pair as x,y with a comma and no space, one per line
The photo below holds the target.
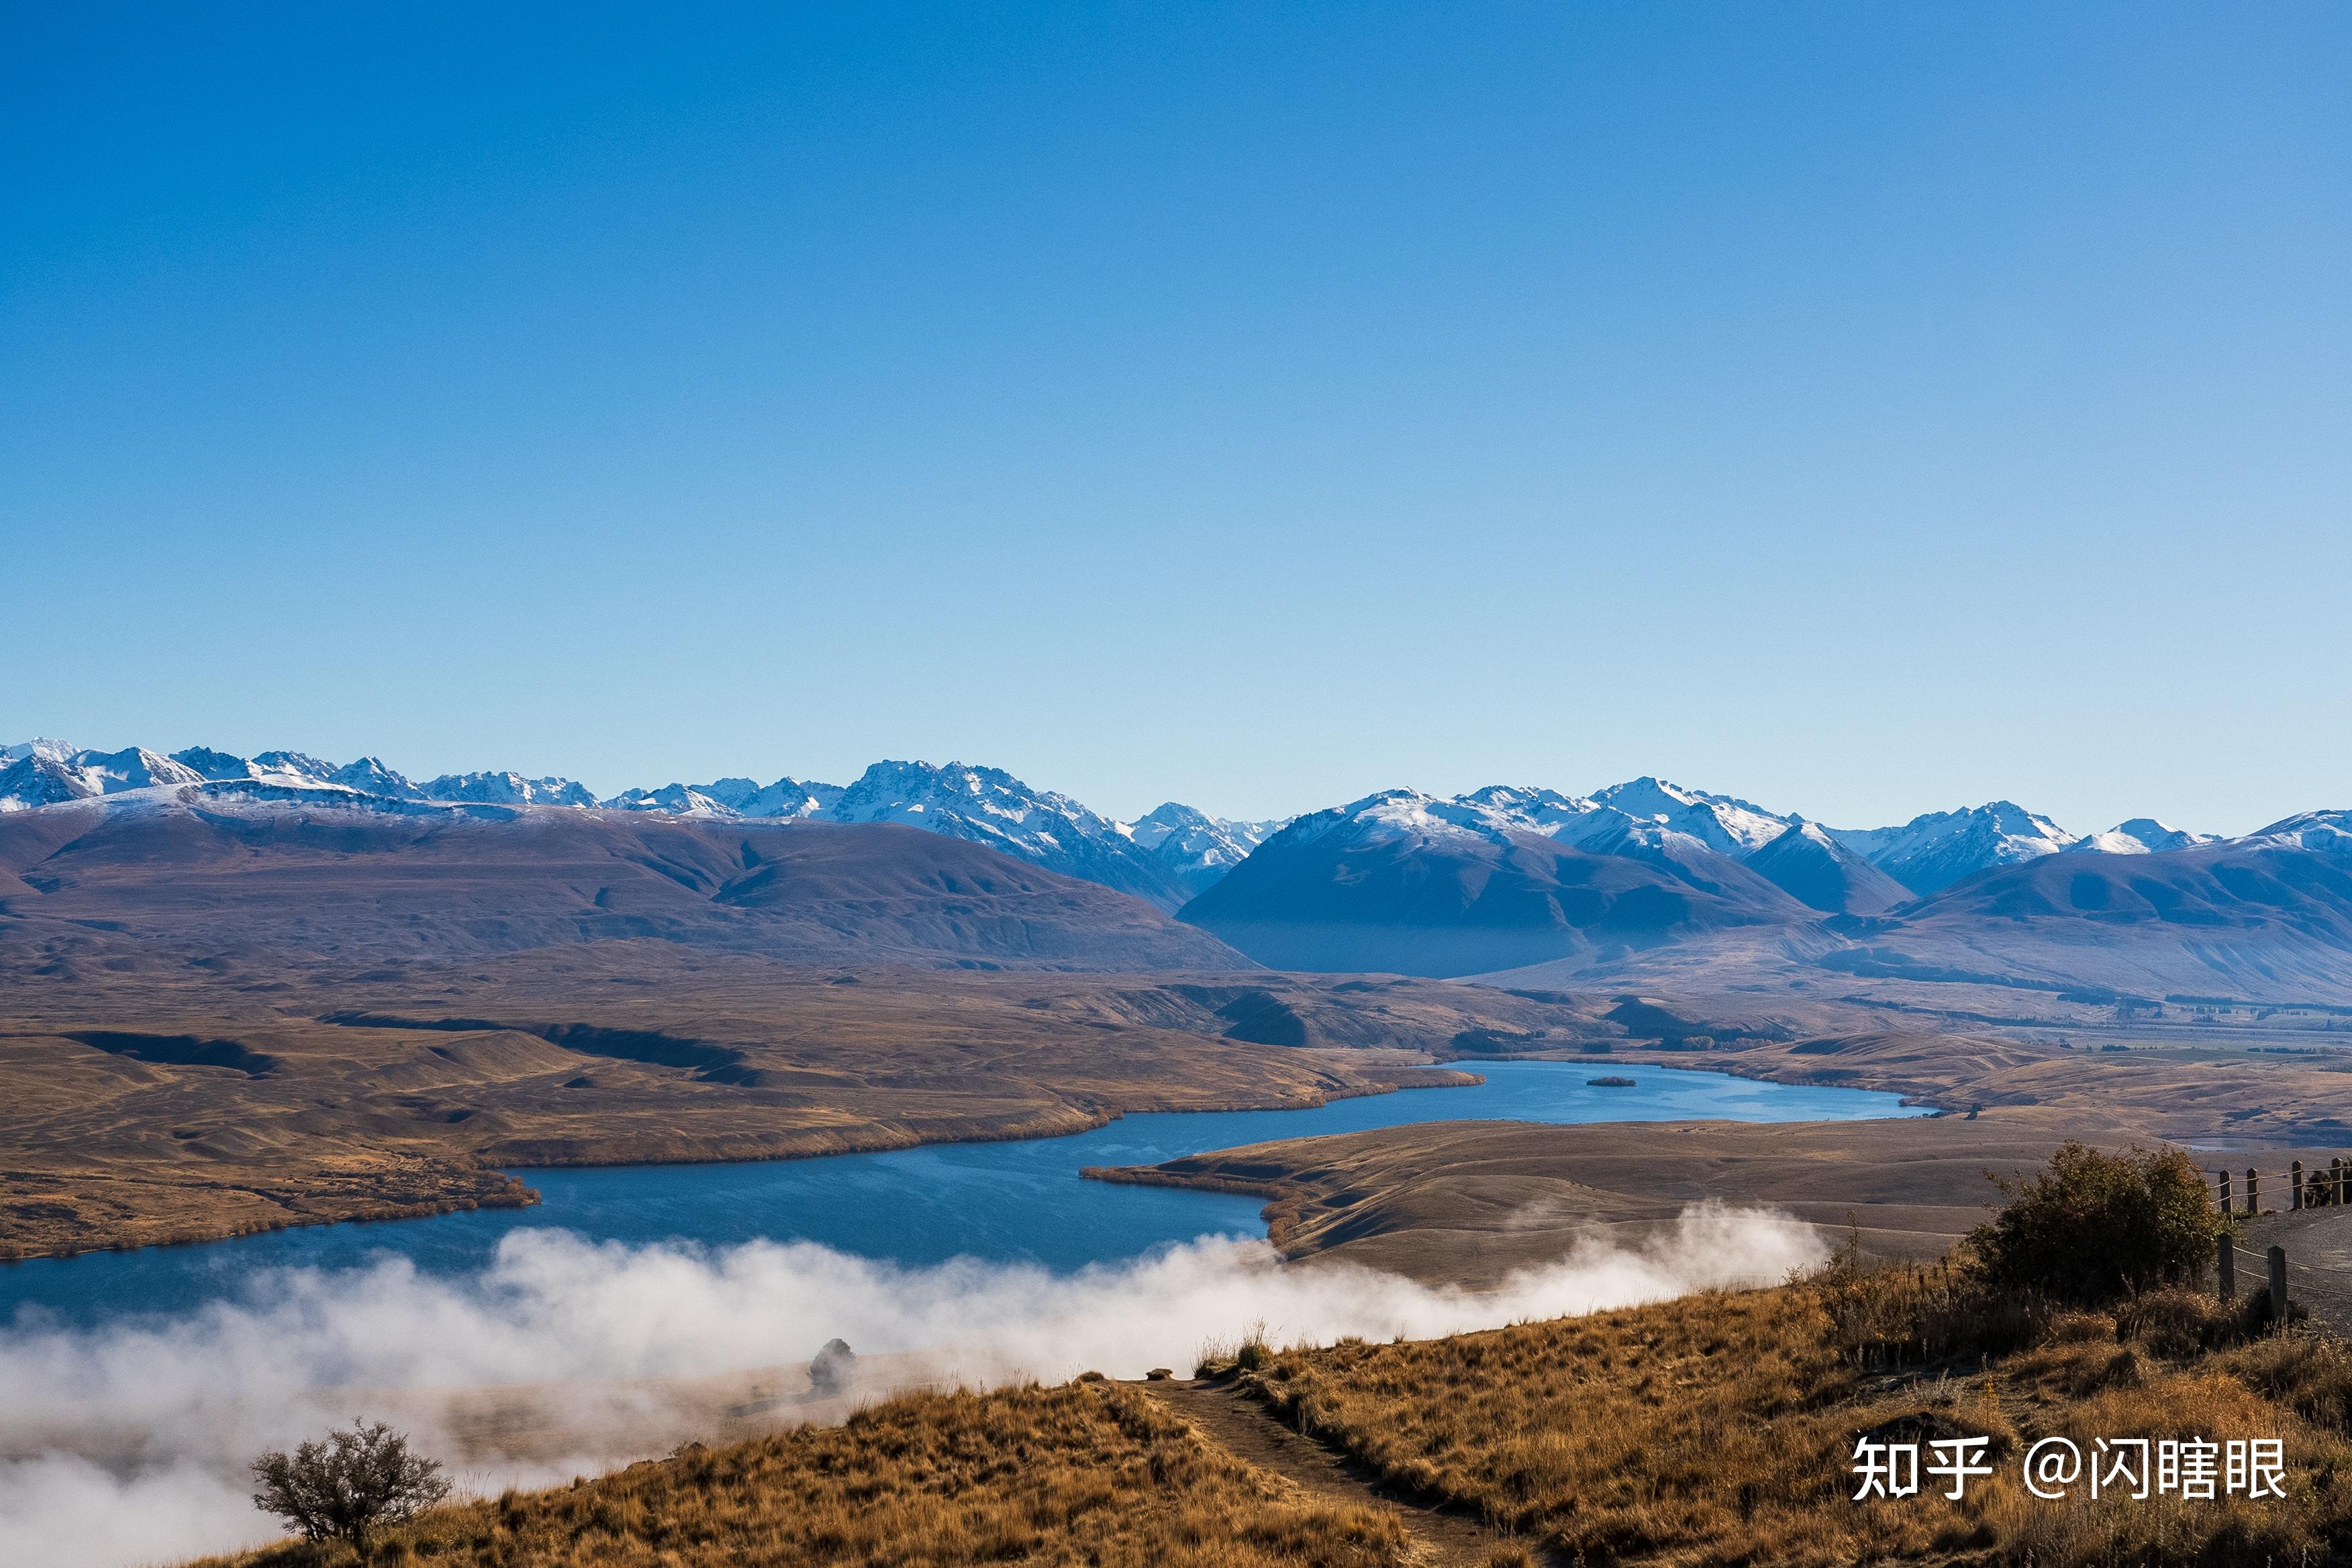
127,1445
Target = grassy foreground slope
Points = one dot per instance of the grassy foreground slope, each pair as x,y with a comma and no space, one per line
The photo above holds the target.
1719,1429
1094,1473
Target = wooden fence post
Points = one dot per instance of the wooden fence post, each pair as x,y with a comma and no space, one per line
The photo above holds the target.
2278,1286
2225,1268
2335,1179
2225,1194
2294,1182
2253,1192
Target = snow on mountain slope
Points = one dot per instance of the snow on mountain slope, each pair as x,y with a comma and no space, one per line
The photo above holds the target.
1820,873
368,775
36,780
2140,836
989,806
2328,833
211,764
45,774
787,797
1724,824
506,789
678,799
1546,810
290,767
1412,883
1933,851
1197,847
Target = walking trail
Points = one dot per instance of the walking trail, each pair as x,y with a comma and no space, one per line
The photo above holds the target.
1251,1432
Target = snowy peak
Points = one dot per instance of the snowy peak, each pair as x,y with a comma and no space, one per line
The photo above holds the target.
505,789
1813,868
732,797
678,799
990,798
34,780
1196,848
1933,851
212,765
44,775
787,797
370,776
1545,810
2328,833
1723,823
989,806
2140,836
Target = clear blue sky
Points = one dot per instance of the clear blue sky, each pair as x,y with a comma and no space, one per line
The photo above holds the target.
1862,408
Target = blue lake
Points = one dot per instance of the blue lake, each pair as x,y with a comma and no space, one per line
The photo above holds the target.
1003,1201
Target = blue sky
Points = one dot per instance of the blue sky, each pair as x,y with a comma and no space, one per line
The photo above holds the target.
1864,409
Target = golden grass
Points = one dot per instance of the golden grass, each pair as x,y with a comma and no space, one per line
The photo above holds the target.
1718,1429
1090,1472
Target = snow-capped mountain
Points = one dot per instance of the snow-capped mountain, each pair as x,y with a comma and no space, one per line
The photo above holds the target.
677,799
741,797
1197,847
46,773
506,789
1418,884
2328,833
1724,824
1176,851
989,806
1934,850
2140,836
1817,871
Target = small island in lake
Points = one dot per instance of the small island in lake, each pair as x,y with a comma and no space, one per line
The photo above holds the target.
1611,1081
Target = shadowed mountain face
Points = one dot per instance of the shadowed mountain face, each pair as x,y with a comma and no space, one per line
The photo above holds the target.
223,872
2250,919
1413,886
1820,873
1416,885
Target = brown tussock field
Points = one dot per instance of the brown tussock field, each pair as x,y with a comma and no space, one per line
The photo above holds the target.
1089,1472
1719,1429
1706,1432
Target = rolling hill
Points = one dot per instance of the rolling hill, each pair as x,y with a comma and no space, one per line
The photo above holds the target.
246,867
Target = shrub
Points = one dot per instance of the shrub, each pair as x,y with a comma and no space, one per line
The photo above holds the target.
342,1489
2097,1227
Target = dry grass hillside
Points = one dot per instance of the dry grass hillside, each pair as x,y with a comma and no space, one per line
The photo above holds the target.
1093,1473
1719,1430
1709,1432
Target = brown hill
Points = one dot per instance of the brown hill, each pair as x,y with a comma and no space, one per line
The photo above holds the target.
218,873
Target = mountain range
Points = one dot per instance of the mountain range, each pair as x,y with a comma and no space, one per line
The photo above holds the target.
1171,854
1165,857
1499,879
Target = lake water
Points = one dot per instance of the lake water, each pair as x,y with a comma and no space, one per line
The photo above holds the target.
1003,1202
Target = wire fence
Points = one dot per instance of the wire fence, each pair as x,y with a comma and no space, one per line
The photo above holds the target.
2320,1186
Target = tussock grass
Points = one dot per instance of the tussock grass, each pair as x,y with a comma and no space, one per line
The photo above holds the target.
1090,1472
1718,1429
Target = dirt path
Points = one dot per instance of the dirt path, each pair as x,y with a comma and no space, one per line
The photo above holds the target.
2318,1243
1251,1432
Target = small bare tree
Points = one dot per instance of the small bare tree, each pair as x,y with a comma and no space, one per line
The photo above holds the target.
342,1489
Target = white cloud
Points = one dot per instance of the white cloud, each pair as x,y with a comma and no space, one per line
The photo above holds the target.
126,1445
